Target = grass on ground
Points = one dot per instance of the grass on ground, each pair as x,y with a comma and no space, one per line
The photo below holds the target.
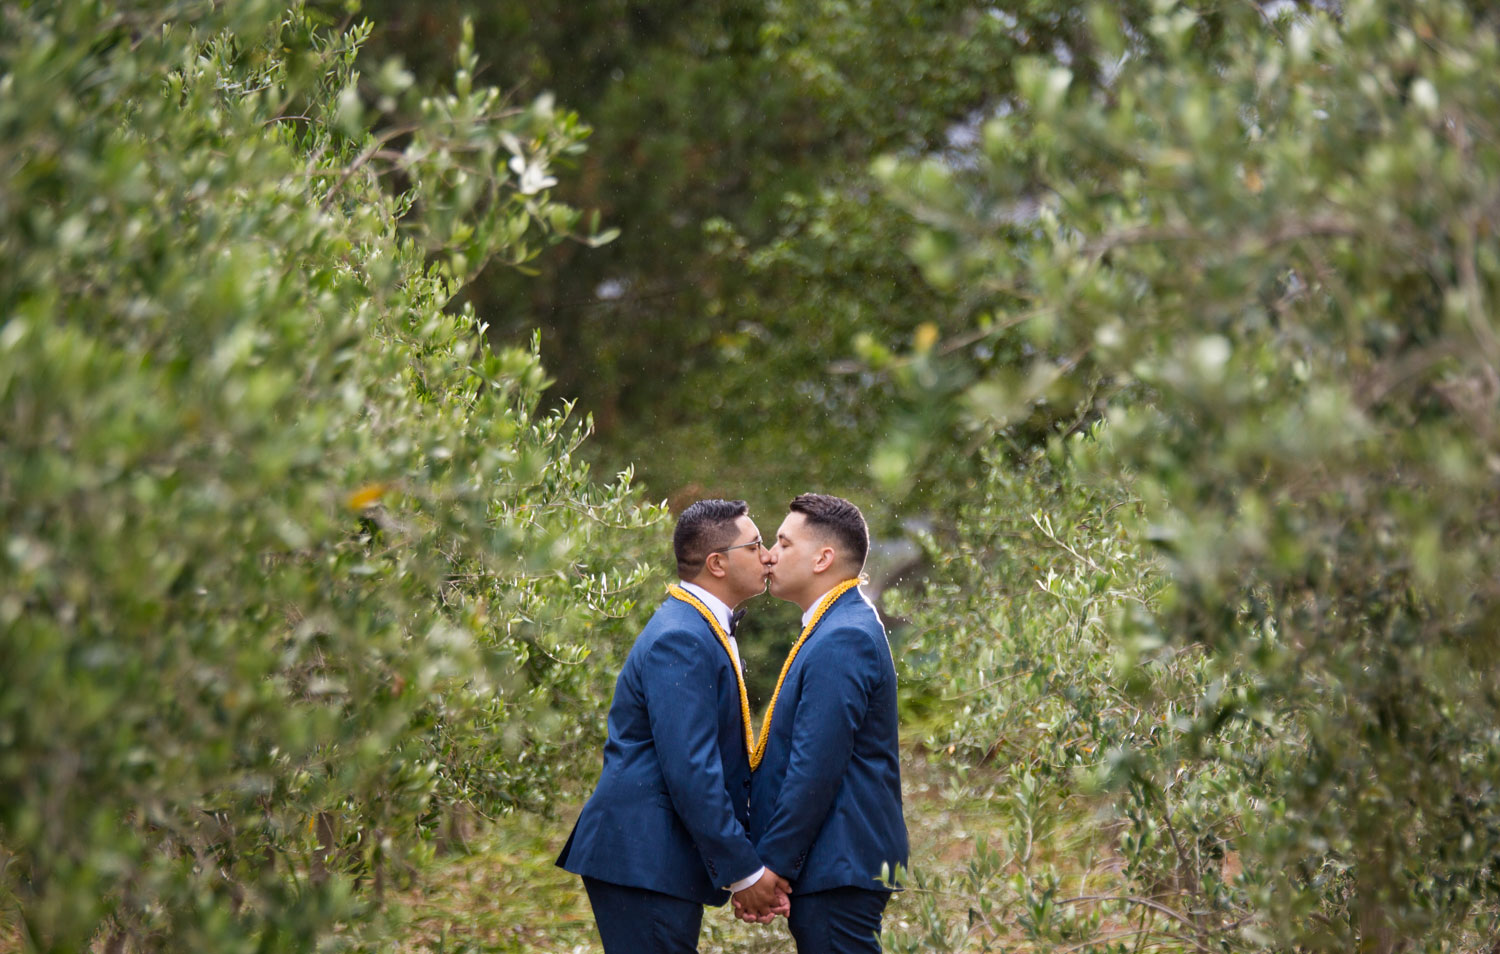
507,896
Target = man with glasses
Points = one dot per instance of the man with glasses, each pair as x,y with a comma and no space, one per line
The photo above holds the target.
664,832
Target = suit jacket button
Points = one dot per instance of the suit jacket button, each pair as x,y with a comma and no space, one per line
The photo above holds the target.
747,785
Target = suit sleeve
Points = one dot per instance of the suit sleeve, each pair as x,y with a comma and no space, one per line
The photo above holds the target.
680,681
835,695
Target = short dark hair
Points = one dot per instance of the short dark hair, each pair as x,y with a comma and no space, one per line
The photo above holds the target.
706,526
839,519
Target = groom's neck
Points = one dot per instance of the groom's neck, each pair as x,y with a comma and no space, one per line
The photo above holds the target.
824,592
715,586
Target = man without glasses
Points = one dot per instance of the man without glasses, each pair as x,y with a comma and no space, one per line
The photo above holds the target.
825,800
664,832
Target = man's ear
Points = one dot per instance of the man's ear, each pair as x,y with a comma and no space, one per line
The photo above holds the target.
715,564
826,558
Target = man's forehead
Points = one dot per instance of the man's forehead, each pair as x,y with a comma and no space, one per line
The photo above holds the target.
792,525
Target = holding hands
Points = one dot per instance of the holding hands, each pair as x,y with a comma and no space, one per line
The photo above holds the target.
764,900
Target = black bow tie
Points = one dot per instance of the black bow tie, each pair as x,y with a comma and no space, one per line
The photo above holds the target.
734,620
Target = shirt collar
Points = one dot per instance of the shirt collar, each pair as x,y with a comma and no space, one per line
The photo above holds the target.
808,614
714,604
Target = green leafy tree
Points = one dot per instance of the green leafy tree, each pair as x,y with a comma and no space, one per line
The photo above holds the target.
759,260
293,567
1272,262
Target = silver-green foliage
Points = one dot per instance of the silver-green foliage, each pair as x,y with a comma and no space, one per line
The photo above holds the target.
291,566
1277,259
1035,636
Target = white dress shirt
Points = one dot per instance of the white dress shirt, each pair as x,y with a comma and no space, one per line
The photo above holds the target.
721,613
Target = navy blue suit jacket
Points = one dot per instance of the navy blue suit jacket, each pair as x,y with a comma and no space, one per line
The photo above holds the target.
669,813
825,803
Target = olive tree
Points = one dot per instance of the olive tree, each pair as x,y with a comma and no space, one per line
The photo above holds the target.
1269,267
292,566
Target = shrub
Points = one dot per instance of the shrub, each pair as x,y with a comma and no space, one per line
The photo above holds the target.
292,565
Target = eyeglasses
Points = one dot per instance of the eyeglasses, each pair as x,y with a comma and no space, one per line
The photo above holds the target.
756,543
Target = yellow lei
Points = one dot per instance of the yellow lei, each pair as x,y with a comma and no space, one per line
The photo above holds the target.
757,749
679,593
759,752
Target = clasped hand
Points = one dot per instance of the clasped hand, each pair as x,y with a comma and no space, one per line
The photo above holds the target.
763,900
